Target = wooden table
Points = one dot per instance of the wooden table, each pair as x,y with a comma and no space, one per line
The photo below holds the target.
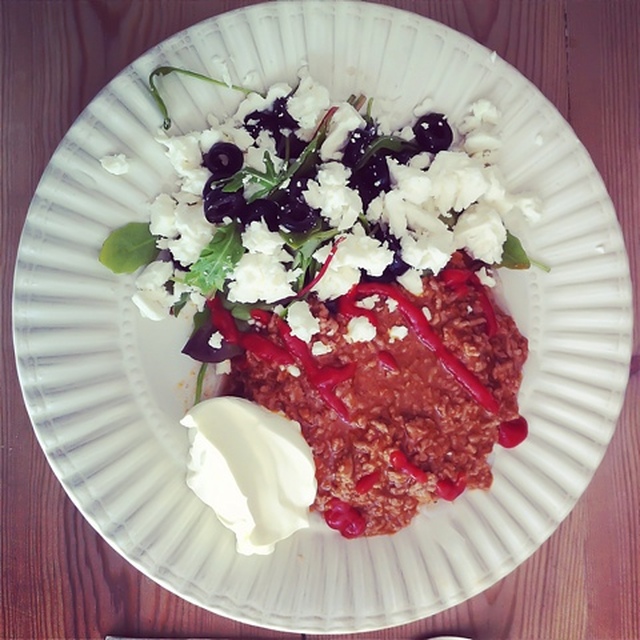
59,578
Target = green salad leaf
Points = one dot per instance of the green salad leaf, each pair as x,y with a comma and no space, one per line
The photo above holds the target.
217,260
128,248
514,255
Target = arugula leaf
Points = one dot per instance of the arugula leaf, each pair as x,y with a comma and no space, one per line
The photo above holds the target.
166,70
267,180
128,248
217,260
387,143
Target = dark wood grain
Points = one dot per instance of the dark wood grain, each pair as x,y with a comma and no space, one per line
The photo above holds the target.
59,579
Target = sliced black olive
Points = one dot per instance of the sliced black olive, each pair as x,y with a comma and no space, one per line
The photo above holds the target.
219,204
371,179
357,144
433,133
297,216
262,209
223,160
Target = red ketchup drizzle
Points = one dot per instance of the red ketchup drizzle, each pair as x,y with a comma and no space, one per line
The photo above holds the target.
324,379
450,490
366,483
345,518
416,319
460,280
400,462
512,432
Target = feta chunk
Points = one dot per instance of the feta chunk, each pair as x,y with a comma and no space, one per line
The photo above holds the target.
481,232
303,323
152,297
345,120
355,252
257,238
308,104
258,276
116,164
360,329
329,193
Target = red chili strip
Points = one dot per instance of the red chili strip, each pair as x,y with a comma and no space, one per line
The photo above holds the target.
347,307
223,321
264,349
400,462
261,315
450,490
414,316
387,361
345,518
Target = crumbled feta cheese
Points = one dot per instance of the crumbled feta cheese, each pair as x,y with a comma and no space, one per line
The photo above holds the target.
486,278
152,297
392,304
116,164
360,329
319,348
482,113
411,280
481,232
257,238
223,368
368,303
185,154
293,371
398,332
414,184
457,181
258,276
355,252
215,341
162,216
255,155
344,120
308,104
191,231
256,102
329,193
428,250
426,312
303,323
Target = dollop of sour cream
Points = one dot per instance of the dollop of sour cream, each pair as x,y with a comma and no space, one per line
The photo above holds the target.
253,468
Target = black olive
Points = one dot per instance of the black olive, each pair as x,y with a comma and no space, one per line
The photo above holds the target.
298,216
219,204
289,146
371,179
223,160
357,144
433,133
262,209
258,121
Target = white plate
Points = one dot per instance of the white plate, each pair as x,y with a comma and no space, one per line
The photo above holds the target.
103,387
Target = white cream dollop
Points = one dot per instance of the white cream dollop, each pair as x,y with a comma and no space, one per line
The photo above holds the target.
253,468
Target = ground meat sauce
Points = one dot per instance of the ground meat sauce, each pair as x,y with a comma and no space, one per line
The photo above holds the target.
412,433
